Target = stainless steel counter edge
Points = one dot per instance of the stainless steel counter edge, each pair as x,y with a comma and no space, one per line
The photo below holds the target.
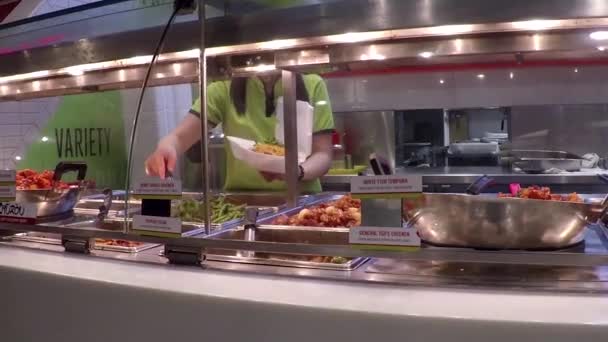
444,254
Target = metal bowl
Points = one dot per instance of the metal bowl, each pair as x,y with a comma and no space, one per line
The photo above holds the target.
488,222
50,202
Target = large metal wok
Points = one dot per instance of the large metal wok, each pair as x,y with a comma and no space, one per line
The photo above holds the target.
488,222
56,202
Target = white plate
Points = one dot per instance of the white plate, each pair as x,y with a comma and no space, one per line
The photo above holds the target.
242,149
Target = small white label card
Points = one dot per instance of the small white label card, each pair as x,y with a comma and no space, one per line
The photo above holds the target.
393,186
157,225
384,237
156,188
7,185
12,212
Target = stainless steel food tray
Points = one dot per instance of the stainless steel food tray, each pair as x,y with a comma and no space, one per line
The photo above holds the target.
538,161
540,165
116,224
268,205
284,234
315,200
90,206
270,261
55,239
45,238
123,249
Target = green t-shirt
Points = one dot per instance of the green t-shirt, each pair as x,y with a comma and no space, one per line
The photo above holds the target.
255,125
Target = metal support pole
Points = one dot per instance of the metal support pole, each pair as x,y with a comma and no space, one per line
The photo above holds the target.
202,80
291,137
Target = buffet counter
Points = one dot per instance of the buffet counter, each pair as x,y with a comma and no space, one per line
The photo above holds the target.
457,178
113,300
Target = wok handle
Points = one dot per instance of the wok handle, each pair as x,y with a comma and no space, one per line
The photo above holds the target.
71,166
104,209
604,205
479,185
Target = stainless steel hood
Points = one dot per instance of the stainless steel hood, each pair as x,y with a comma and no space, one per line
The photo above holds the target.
347,34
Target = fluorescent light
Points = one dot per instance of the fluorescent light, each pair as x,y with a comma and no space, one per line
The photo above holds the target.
44,139
451,29
599,35
194,53
481,76
535,25
22,77
426,54
17,157
278,44
373,56
351,37
75,71
260,68
139,60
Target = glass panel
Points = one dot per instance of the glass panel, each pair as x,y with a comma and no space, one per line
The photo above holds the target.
91,21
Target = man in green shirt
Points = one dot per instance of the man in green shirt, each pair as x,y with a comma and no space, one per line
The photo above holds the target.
245,108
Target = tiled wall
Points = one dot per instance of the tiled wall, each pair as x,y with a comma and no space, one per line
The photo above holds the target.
48,6
20,124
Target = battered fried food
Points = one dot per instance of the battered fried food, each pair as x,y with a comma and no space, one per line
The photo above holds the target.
543,193
345,212
270,147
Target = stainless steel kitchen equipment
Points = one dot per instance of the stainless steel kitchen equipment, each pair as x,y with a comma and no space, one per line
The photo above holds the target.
288,234
537,161
489,222
56,202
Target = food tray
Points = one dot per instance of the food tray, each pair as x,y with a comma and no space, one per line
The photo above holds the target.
284,234
55,239
539,165
271,261
111,224
123,249
268,204
293,211
37,237
90,206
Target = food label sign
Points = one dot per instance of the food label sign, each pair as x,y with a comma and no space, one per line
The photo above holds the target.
7,185
394,186
384,237
157,225
12,212
155,188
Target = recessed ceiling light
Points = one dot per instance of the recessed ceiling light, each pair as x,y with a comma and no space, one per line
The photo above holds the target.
481,76
511,75
441,81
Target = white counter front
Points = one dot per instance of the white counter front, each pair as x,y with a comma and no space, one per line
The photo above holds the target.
59,297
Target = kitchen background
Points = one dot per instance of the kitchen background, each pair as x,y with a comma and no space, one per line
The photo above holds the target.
552,108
